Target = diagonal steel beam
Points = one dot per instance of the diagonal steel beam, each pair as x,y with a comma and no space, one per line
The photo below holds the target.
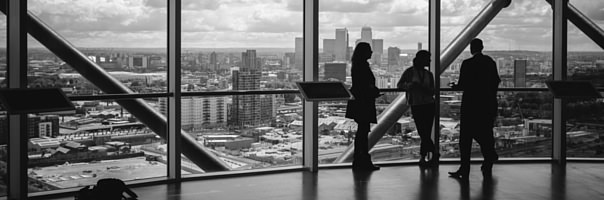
194,151
396,109
588,27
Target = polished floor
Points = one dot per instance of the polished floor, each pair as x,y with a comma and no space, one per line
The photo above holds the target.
510,181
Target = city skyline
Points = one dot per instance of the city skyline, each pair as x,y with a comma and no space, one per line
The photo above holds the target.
218,24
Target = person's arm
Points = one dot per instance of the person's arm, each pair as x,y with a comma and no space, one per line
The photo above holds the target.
403,83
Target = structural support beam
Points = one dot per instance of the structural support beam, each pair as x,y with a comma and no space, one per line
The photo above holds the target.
311,73
396,109
174,107
588,27
434,42
108,84
17,78
559,69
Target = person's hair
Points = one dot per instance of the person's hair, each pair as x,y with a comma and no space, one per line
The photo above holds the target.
476,44
361,49
421,54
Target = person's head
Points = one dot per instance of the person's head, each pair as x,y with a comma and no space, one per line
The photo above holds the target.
476,46
361,52
422,59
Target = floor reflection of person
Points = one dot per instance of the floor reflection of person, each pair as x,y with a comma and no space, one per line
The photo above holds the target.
362,108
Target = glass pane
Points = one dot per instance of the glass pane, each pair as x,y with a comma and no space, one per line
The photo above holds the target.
223,42
4,124
395,30
100,140
518,39
127,39
523,127
245,131
585,117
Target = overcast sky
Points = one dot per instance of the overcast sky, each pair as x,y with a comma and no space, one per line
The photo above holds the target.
525,25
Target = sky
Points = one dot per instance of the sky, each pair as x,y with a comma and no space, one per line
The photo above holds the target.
524,25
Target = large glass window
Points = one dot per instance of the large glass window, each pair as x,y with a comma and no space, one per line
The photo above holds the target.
100,140
518,39
3,130
395,31
243,45
585,117
523,127
127,39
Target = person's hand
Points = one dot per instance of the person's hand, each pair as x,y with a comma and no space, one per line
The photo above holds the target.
453,85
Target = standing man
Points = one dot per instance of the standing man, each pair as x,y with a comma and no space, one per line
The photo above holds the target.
479,81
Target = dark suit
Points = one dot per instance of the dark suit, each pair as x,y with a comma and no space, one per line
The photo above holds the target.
479,81
362,109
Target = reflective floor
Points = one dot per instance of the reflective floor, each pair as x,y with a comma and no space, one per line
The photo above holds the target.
510,181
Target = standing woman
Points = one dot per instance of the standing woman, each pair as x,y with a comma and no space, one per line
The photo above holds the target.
419,85
362,108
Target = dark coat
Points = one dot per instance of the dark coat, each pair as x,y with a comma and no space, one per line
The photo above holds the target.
479,80
362,108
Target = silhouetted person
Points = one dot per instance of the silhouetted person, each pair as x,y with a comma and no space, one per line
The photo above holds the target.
419,85
362,108
479,81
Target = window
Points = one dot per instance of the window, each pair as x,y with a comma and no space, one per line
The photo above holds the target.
243,46
584,129
395,31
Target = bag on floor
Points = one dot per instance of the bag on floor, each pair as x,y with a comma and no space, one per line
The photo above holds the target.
106,189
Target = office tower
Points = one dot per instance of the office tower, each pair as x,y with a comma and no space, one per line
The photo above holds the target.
366,35
213,61
328,46
249,60
419,46
246,109
299,53
289,59
335,71
393,56
520,73
378,51
341,44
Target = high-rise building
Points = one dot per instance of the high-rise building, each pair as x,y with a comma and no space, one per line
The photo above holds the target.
328,46
246,110
419,46
393,56
341,45
366,35
249,60
299,53
520,73
214,61
197,113
335,71
378,51
37,126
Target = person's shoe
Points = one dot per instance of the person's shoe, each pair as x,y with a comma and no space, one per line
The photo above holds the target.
433,162
422,162
460,175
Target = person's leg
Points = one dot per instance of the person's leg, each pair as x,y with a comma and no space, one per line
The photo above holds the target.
465,149
361,150
423,116
487,146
